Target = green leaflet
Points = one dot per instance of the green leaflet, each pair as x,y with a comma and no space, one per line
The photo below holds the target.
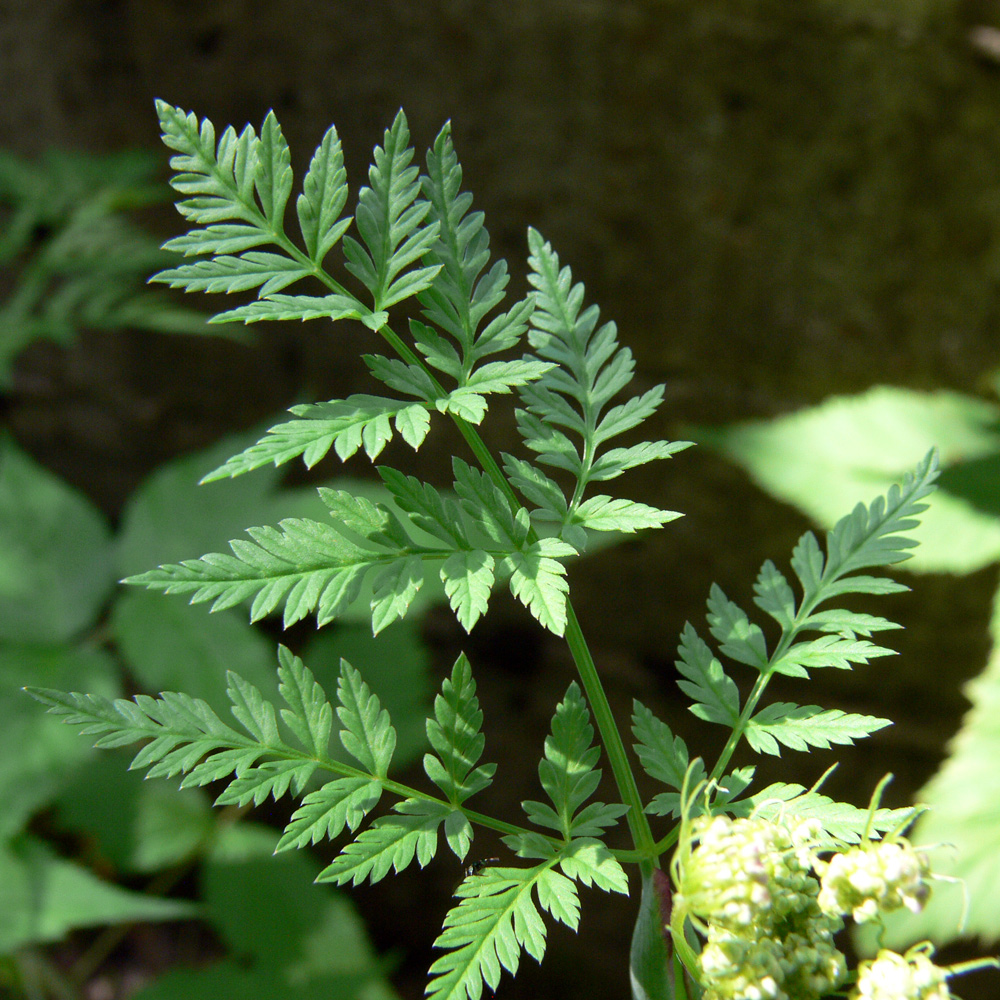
390,844
456,736
344,425
388,218
498,916
562,420
185,736
802,726
569,776
841,821
324,194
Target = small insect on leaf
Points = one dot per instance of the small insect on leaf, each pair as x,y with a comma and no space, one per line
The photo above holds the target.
475,868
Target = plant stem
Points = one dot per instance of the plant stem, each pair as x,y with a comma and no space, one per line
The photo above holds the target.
642,836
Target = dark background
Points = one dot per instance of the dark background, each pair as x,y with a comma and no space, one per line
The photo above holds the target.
775,201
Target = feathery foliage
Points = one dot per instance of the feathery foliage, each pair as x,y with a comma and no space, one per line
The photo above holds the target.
871,536
413,237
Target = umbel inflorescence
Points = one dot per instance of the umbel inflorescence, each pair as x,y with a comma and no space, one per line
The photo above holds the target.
768,896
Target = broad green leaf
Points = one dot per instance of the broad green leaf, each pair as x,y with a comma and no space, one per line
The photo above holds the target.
615,461
826,459
802,726
964,814
55,554
536,487
136,825
45,897
488,507
290,940
504,376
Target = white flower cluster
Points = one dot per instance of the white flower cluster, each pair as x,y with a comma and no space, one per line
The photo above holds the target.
901,977
769,908
874,878
750,883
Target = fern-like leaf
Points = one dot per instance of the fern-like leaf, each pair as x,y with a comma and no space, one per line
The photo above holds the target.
305,566
842,822
389,219
870,536
184,736
390,844
663,756
462,296
569,775
565,420
324,194
236,190
496,918
455,735
367,734
802,726
347,425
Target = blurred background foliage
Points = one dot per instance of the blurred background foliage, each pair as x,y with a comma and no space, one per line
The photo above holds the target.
778,203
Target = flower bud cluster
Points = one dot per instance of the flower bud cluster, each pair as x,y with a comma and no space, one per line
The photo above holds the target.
875,878
901,977
750,882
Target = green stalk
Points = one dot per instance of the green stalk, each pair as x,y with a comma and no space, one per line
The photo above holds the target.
642,836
